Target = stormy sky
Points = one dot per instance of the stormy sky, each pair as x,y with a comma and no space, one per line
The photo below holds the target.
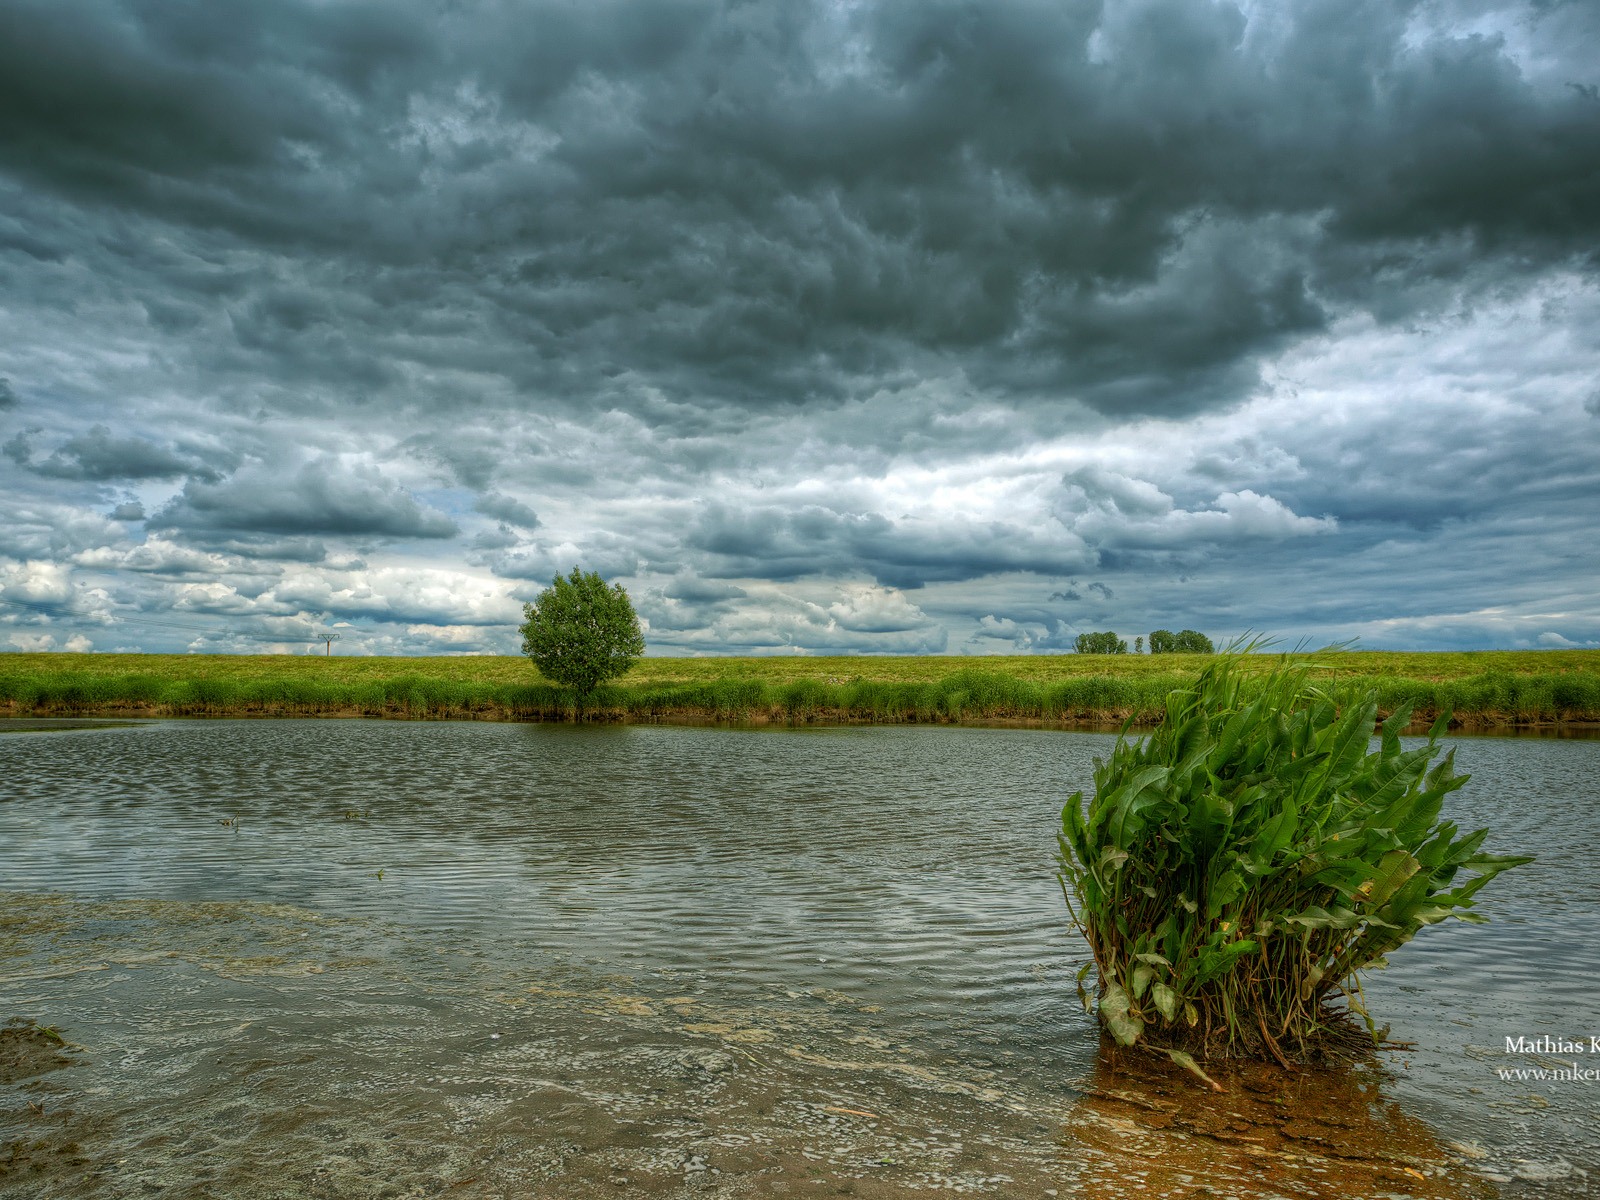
825,327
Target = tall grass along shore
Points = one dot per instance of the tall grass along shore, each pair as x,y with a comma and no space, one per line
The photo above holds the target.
1481,690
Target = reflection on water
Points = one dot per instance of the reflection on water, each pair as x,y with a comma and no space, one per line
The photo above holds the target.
61,724
361,951
1142,1129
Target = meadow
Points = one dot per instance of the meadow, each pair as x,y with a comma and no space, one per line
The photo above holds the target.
1482,689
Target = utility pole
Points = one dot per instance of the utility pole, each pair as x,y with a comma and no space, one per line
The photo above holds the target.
330,639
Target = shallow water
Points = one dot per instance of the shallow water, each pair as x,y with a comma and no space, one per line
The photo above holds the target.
322,957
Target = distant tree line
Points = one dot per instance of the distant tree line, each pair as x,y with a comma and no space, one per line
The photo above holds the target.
1162,641
1186,641
1101,643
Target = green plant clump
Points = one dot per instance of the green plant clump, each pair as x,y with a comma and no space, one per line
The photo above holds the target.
1238,867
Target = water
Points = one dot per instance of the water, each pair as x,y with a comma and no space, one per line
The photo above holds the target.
320,957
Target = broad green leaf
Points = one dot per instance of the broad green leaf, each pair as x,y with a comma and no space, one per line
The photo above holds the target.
1117,1013
1165,1000
1186,1060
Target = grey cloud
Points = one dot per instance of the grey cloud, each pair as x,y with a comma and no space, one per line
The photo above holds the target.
8,394
128,510
687,604
322,497
157,556
667,619
1128,204
857,620
15,236
783,543
35,529
877,610
1117,514
98,455
719,288
1020,635
507,509
541,561
1436,469
702,591
1134,498
467,458
262,547
500,538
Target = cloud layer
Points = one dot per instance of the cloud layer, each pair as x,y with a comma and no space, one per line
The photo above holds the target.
834,326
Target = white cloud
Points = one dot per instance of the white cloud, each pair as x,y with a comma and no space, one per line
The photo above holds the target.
877,610
405,594
36,582
32,643
1108,510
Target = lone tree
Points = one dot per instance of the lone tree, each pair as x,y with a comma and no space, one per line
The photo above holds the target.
582,631
1100,643
1164,641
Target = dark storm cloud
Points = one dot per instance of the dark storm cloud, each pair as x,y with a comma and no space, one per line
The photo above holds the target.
98,455
789,543
777,310
507,509
323,496
702,591
616,203
19,448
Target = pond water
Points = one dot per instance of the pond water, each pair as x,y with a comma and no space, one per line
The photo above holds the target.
353,958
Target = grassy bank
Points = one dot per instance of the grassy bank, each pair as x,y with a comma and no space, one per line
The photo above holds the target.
1482,689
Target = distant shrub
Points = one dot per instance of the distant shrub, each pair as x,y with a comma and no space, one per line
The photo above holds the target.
1237,868
1188,641
1100,643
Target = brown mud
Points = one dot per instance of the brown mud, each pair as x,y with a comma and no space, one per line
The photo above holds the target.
1143,1129
36,1139
38,718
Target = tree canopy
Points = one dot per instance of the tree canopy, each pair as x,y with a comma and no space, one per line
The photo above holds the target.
1188,641
1100,643
581,631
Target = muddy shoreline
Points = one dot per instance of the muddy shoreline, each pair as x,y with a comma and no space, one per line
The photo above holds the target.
1088,721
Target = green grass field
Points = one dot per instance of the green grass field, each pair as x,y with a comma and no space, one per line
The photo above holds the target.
1482,688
